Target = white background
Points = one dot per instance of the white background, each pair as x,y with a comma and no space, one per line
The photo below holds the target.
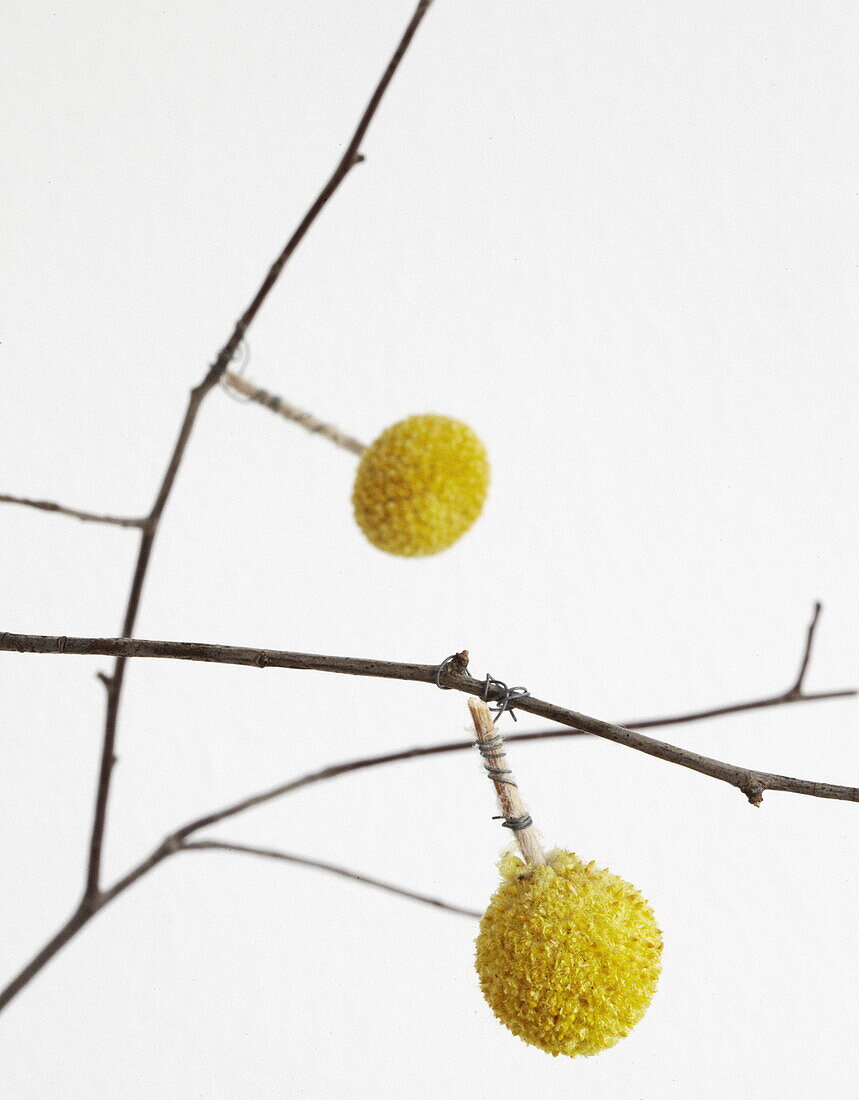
620,240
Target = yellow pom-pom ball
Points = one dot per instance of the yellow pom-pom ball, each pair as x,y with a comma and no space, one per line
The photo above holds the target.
568,955
421,485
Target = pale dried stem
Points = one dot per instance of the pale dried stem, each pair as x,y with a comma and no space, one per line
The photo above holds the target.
291,412
512,807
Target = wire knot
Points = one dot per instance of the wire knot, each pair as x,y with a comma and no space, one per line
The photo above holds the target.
496,691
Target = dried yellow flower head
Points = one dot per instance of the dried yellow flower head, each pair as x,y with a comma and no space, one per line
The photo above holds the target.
421,485
568,955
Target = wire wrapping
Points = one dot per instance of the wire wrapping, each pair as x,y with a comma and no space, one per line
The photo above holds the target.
505,697
491,750
494,690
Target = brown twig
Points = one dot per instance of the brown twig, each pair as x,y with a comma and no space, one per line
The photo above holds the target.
88,517
114,682
332,771
753,783
177,841
796,691
332,868
81,917
750,781
170,846
350,158
94,898
794,694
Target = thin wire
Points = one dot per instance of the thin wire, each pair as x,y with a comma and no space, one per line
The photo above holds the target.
517,823
492,749
439,672
505,696
494,690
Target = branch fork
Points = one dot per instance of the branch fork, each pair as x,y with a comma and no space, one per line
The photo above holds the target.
453,675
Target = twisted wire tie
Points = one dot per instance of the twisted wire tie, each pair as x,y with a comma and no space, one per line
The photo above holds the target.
489,750
492,749
505,696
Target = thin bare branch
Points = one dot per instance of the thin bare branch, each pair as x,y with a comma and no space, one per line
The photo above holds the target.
363,763
81,917
334,770
75,513
270,853
94,898
350,158
750,781
794,694
796,691
88,908
289,411
115,681
738,708
753,783
215,654
72,926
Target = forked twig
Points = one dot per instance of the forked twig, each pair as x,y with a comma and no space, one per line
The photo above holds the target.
332,868
350,158
178,840
751,781
455,674
89,517
94,897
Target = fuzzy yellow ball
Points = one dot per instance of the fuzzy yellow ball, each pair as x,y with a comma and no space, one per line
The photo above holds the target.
421,485
568,955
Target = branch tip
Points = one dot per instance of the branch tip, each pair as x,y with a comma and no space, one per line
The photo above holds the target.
796,691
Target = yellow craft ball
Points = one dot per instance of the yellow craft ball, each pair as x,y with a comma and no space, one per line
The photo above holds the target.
568,955
421,485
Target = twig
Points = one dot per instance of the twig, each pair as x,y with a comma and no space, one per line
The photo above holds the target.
796,691
114,682
748,780
81,917
794,694
170,846
332,771
88,517
94,898
350,158
270,853
178,840
752,783
351,666
215,654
